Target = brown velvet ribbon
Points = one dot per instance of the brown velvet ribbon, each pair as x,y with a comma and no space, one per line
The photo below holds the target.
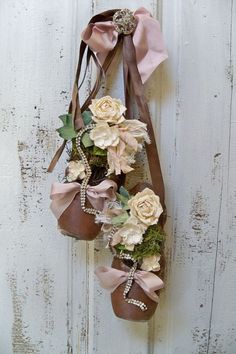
132,81
74,107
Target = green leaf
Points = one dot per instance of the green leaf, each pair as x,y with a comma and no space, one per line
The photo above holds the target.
87,117
124,192
122,199
87,142
120,247
67,131
120,219
98,152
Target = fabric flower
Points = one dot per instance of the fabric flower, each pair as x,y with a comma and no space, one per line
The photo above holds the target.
75,170
151,263
119,159
146,207
134,130
111,209
103,135
107,109
128,235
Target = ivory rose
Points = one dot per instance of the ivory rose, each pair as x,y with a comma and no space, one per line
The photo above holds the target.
103,135
134,129
107,109
75,170
146,207
119,159
128,235
151,263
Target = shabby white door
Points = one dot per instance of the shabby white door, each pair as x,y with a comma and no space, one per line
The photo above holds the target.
50,302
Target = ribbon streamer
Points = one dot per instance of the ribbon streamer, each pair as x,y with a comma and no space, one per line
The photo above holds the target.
111,278
62,195
150,49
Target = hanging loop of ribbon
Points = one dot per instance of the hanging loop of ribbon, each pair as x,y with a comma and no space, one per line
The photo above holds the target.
62,195
149,45
111,278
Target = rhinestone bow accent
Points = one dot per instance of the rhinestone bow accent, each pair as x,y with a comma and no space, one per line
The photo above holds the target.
129,283
124,21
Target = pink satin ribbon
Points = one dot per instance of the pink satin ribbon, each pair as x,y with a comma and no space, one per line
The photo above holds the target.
150,49
62,195
111,278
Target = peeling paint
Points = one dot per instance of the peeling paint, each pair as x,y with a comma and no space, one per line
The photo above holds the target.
45,289
200,338
21,343
216,173
33,168
199,213
217,342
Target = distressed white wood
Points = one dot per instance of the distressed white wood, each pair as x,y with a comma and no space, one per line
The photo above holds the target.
36,53
49,299
222,337
196,124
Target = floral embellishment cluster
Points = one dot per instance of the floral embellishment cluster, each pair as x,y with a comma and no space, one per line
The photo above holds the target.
135,219
121,138
112,141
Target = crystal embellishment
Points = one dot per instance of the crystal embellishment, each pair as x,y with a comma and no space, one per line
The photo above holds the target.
124,21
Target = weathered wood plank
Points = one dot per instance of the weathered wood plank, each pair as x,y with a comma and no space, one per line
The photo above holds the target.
222,335
193,167
35,81
50,301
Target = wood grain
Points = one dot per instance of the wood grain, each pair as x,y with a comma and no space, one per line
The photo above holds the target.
50,301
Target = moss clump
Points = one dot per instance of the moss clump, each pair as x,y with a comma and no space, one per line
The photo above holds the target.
152,243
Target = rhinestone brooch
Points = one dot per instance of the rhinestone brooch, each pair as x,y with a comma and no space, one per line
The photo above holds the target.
124,21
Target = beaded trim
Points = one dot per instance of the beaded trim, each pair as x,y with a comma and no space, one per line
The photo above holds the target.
130,281
85,181
110,238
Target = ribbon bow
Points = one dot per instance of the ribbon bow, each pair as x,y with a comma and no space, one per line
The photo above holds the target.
111,278
150,50
62,195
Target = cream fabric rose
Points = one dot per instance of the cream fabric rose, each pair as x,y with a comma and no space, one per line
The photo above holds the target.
107,109
75,170
151,263
146,207
128,235
119,159
103,135
134,129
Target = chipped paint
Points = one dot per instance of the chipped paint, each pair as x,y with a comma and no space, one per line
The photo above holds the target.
199,212
44,285
21,342
191,115
200,338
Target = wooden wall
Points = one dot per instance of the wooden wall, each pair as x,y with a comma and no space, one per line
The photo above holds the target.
50,302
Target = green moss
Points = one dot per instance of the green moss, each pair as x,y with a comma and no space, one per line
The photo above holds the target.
152,244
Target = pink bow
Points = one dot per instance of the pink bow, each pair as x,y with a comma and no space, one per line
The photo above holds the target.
102,37
111,278
62,195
